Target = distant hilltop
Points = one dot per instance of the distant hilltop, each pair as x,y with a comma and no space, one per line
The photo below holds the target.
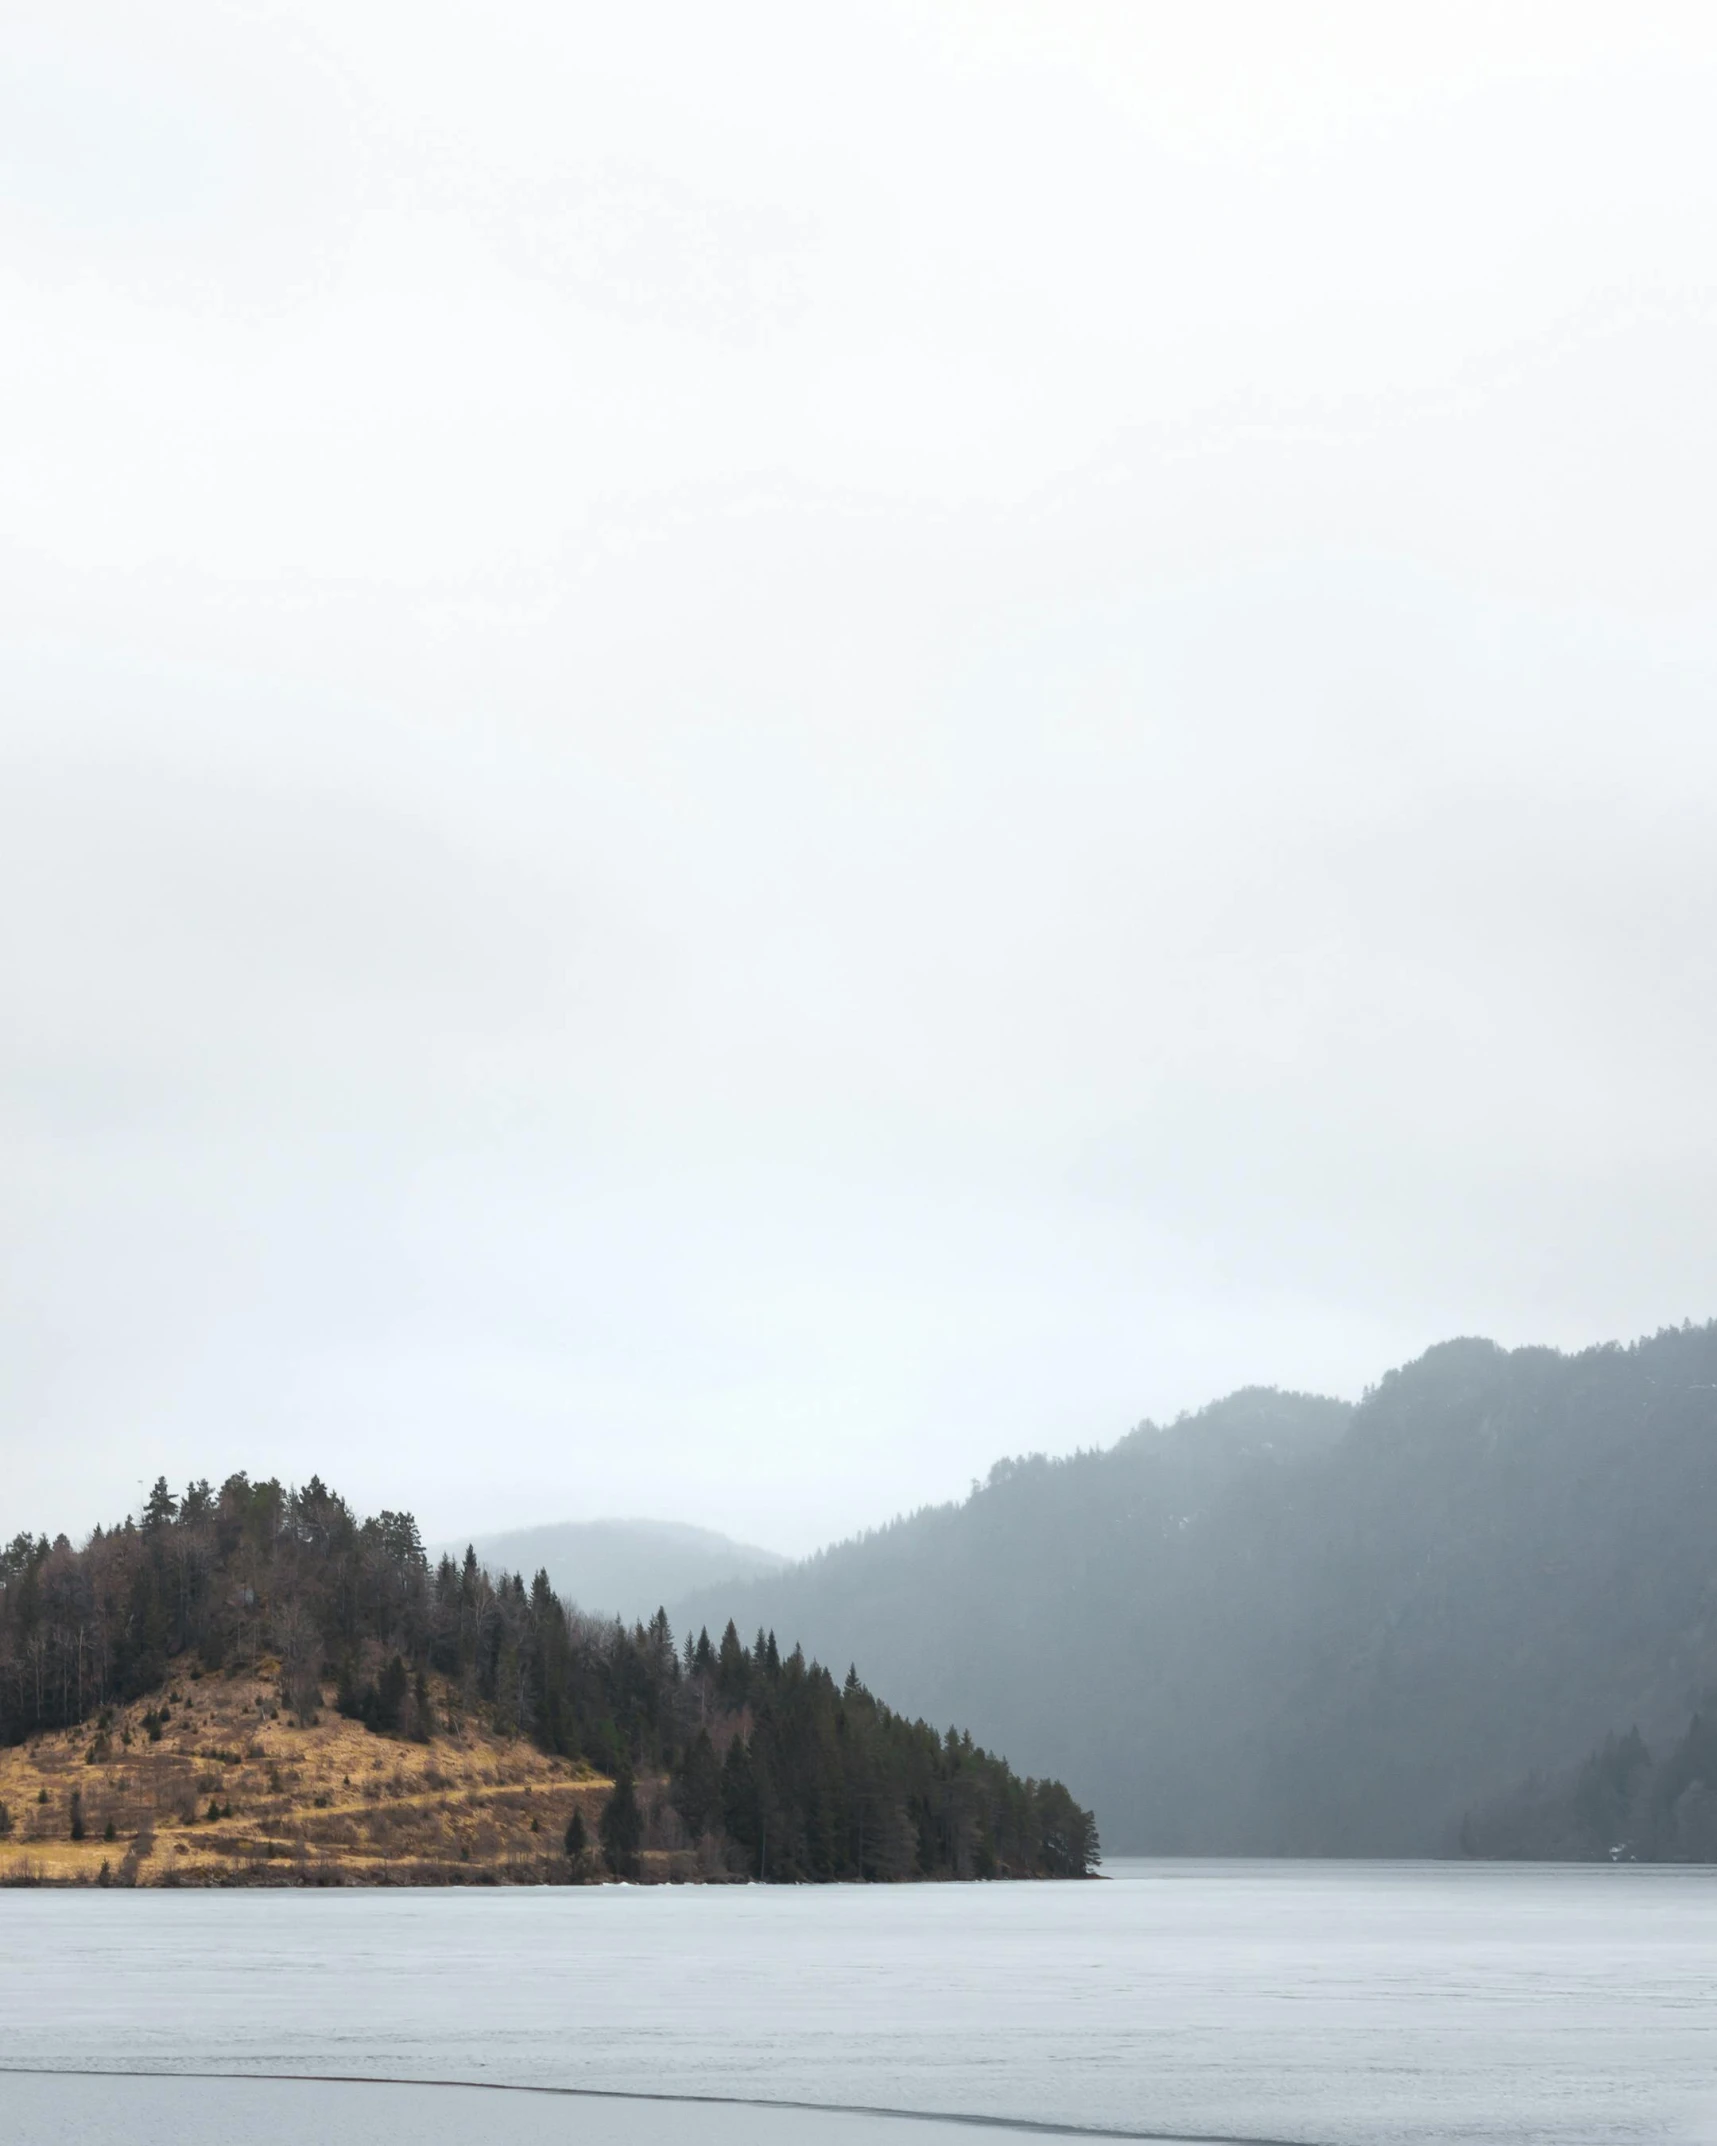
621,1568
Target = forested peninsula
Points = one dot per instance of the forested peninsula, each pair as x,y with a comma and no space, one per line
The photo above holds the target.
252,1685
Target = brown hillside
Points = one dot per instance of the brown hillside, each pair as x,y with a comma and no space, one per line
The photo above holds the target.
324,1803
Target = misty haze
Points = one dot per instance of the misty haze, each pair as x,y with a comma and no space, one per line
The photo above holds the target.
857,1021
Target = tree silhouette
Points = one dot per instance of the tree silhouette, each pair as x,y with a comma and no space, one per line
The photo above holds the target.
621,1827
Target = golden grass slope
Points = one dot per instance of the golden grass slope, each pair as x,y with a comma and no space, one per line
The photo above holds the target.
235,1791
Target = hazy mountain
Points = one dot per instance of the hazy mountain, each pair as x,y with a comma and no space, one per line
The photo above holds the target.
622,1568
1285,1625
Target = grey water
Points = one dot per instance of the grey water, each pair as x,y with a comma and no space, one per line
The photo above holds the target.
1308,2002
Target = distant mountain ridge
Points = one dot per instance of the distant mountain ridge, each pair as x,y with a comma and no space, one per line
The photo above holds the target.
1289,1625
621,1568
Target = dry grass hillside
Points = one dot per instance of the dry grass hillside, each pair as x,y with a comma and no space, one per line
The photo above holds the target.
230,1789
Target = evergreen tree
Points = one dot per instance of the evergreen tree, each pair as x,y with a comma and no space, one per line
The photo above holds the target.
391,1689
697,1786
1604,1794
733,1677
739,1799
348,1699
621,1827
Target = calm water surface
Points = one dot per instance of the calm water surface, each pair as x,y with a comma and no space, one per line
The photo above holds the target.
1315,2002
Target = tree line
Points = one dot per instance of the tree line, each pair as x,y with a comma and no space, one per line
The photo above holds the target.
1624,1804
784,1772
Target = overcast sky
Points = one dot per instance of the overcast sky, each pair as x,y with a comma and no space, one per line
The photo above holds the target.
749,752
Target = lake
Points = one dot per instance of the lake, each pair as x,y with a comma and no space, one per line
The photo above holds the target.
1282,2001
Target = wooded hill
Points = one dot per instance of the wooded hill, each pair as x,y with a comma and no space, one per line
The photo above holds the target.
769,1763
1287,1625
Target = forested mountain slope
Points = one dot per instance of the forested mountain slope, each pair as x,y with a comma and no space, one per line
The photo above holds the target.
1288,1626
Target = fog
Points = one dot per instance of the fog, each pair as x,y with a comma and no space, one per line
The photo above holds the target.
747,754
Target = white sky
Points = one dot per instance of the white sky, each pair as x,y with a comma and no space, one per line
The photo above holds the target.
748,752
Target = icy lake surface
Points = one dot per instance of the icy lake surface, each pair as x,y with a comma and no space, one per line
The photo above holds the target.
1316,2002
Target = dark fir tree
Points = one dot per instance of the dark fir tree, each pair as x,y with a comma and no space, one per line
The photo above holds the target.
621,1827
